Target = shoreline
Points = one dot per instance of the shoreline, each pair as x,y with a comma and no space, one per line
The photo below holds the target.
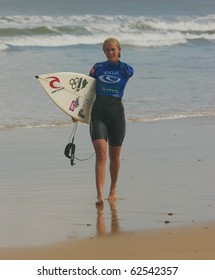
194,242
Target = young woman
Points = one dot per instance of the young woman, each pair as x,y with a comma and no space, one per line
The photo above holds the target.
107,117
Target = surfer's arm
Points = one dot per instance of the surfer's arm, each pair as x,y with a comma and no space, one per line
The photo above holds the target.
127,69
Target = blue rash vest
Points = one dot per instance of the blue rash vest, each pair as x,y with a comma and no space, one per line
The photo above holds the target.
111,78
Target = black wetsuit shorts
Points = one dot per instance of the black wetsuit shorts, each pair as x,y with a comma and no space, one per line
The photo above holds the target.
108,120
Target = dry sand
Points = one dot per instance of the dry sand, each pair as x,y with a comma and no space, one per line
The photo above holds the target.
196,242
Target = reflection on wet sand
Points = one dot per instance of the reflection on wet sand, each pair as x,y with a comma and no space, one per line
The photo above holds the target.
101,224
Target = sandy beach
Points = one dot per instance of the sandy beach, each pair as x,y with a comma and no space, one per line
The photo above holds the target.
184,243
166,196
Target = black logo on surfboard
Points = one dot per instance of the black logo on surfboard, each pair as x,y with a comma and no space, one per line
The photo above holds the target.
78,83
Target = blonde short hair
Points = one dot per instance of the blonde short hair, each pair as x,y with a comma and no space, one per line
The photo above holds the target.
111,40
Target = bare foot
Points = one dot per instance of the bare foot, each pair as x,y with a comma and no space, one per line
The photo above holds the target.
112,198
112,194
100,203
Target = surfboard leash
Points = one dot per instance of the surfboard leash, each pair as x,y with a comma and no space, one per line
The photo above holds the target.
69,151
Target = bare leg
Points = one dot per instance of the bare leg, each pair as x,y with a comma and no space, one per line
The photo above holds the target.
114,153
100,147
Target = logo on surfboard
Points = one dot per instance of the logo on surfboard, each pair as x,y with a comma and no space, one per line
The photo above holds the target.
74,104
54,83
78,83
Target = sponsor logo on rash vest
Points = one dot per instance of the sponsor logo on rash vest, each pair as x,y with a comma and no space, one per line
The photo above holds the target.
109,79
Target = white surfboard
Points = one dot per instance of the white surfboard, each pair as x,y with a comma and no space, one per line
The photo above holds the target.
74,93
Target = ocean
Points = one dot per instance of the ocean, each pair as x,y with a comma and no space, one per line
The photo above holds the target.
170,44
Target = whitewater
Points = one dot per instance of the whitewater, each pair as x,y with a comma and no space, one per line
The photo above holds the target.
48,31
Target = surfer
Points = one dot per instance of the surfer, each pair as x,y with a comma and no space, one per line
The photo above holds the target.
107,118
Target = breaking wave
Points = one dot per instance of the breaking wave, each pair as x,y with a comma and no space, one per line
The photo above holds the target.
50,31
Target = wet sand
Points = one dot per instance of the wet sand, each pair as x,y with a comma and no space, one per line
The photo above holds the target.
196,242
165,190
